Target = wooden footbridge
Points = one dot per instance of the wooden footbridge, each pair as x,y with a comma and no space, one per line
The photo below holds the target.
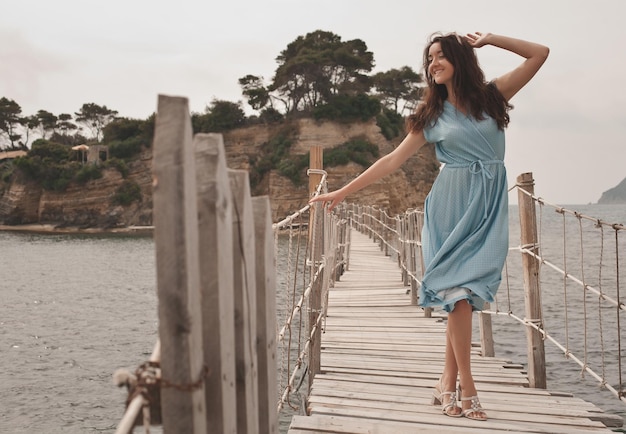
381,357
229,359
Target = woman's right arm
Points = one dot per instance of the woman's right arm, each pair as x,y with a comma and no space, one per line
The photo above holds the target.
382,167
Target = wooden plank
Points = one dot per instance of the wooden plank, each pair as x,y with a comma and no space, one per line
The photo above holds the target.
266,315
177,263
245,303
214,204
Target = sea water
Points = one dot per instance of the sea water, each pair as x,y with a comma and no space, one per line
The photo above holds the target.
75,308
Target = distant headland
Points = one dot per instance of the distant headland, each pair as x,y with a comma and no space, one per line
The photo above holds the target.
616,195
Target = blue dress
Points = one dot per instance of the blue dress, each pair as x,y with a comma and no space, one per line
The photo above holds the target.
466,232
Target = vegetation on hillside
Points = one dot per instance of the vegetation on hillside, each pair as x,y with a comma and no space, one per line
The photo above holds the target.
318,75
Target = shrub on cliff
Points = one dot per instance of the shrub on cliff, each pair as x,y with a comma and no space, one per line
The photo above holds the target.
391,123
348,108
126,149
357,150
127,193
126,138
219,116
274,154
87,173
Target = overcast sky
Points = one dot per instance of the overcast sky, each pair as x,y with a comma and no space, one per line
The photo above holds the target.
568,126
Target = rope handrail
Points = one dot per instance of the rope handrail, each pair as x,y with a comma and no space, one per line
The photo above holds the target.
567,275
565,351
562,210
303,297
326,257
285,396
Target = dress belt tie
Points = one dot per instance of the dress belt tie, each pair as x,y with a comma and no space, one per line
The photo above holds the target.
478,168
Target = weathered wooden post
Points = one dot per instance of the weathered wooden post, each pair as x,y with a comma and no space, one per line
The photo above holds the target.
316,240
402,259
216,277
412,258
341,245
266,315
245,303
178,274
348,238
379,229
532,290
384,232
419,223
486,333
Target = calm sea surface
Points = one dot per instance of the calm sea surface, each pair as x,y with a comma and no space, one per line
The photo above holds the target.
73,309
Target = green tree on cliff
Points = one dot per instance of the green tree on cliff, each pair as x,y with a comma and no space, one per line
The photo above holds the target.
10,120
254,90
95,118
311,70
398,86
219,116
47,123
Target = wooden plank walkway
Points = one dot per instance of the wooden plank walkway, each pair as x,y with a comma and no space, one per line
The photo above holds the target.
381,358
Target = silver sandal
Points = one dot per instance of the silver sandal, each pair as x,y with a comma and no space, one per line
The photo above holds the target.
451,404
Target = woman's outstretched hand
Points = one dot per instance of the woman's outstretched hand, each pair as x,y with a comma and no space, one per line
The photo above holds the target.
477,39
334,197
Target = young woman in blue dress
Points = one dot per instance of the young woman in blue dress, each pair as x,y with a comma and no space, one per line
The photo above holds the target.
465,234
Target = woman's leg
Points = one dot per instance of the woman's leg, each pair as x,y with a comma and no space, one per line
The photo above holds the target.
449,376
450,368
460,337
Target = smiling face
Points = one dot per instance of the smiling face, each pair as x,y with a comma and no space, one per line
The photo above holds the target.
439,67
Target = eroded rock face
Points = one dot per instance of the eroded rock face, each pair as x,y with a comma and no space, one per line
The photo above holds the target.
406,188
91,204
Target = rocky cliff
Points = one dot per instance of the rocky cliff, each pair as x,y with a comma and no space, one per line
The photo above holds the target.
91,204
616,195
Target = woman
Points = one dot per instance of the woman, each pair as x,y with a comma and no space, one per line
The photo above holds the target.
465,234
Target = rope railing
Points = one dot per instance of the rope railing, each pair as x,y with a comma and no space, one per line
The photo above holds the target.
582,335
326,247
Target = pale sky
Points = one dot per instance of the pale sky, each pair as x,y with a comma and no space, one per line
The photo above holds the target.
568,126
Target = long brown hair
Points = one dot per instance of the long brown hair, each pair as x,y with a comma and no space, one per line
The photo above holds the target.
471,90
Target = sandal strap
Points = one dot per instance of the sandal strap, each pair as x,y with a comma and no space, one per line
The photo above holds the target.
475,406
451,403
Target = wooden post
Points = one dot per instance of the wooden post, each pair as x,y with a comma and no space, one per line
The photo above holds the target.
528,234
316,241
245,304
419,224
412,258
380,229
266,315
178,274
402,259
340,256
486,333
216,277
348,238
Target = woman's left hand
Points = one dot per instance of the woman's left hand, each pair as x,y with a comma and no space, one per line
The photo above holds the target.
477,39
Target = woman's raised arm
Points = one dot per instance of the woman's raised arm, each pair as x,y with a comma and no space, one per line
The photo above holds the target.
511,82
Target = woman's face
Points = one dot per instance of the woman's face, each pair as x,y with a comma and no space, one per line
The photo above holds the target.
439,68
